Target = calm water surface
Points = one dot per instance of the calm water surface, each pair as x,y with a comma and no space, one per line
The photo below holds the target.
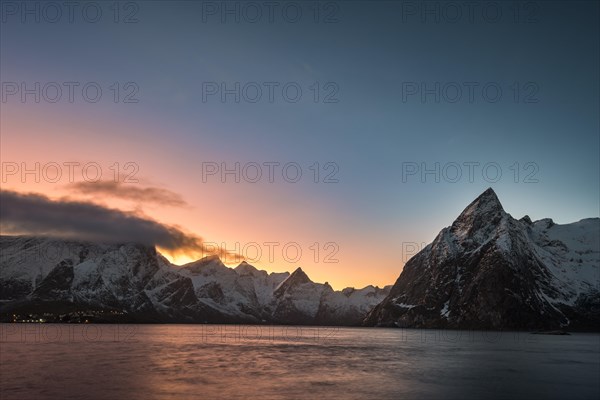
47,361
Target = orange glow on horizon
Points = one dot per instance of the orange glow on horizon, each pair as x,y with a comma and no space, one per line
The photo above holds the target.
180,259
218,213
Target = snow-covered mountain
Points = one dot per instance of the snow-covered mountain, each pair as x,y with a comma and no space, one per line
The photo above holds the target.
491,271
487,270
138,284
298,300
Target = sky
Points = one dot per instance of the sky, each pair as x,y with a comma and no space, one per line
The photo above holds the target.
335,136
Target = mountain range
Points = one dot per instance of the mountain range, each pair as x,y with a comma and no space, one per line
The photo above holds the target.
487,270
61,279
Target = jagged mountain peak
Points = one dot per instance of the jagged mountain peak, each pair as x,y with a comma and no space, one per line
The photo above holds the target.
300,276
485,211
296,278
246,269
526,220
486,203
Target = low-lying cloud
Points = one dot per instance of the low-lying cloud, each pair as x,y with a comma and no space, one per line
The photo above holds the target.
35,214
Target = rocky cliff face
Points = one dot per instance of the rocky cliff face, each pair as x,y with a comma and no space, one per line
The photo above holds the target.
491,271
140,285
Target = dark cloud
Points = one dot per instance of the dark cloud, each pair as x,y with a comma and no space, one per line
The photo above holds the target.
129,192
35,214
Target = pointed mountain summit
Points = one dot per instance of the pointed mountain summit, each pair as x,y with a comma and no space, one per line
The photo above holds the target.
485,211
246,269
298,277
491,271
486,204
485,201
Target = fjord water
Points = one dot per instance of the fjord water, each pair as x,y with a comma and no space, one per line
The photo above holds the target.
51,361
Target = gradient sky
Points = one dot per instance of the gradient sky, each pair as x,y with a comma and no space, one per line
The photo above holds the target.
372,51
